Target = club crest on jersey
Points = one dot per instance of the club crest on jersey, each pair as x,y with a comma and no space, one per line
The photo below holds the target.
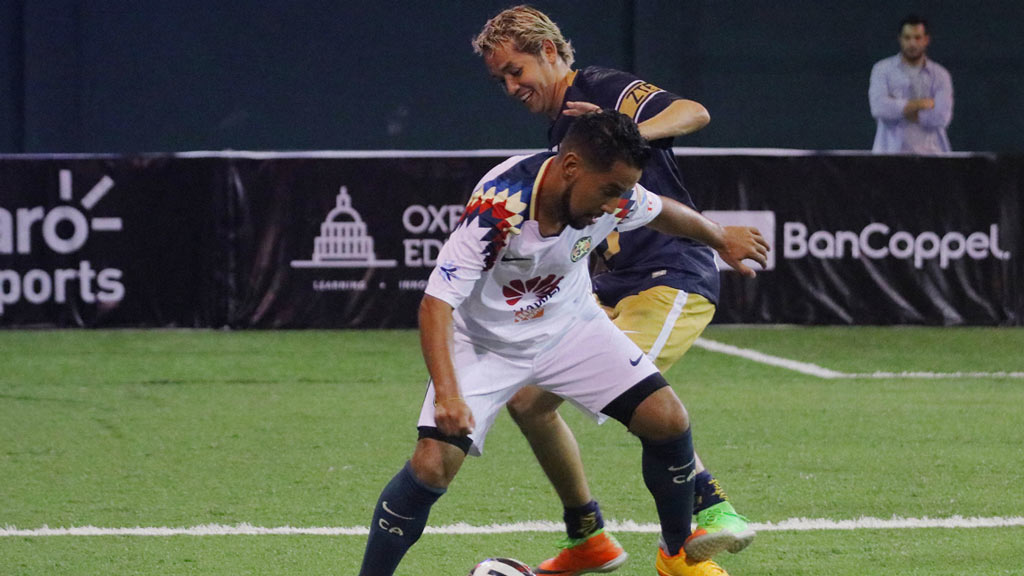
580,249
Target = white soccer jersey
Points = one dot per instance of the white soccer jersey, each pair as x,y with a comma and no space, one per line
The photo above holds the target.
513,289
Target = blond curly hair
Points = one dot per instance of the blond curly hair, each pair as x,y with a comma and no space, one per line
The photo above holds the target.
526,28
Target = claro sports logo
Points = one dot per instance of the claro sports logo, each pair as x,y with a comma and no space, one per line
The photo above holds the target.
63,230
877,241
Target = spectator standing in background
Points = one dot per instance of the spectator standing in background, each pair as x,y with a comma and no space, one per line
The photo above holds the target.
911,96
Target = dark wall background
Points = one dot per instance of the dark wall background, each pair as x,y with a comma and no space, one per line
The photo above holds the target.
149,76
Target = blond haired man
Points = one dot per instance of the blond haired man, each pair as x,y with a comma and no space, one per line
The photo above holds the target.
660,290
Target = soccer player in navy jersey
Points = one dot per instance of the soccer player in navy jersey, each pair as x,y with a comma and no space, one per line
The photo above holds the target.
509,304
659,289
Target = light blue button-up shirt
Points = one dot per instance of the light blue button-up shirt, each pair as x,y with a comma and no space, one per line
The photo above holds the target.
893,83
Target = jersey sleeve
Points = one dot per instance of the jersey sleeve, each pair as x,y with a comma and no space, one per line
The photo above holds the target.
460,265
634,97
637,209
474,245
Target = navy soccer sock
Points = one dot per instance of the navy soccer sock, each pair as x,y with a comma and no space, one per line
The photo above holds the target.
706,492
583,521
668,469
398,522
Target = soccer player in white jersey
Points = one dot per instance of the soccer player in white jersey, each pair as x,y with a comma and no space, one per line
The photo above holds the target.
509,304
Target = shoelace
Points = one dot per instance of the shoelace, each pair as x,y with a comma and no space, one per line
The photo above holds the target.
567,542
712,516
717,570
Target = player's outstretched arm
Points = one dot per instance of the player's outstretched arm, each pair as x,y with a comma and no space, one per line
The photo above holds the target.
733,243
681,117
452,415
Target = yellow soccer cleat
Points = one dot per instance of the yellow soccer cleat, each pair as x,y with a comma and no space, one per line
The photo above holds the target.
680,565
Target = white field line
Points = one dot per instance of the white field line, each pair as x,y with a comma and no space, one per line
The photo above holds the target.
802,367
791,525
821,372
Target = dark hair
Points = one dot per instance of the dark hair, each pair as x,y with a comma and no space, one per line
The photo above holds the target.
604,136
913,20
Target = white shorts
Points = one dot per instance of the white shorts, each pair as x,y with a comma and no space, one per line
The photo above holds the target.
590,365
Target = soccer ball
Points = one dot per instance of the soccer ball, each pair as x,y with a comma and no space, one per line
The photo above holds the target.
501,567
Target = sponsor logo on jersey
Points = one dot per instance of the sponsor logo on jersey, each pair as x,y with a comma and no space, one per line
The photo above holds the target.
535,293
448,270
528,314
538,289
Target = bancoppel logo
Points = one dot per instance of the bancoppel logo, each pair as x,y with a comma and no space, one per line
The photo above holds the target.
343,241
763,220
877,241
64,230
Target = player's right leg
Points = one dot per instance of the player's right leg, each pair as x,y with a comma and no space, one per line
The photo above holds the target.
587,547
404,505
665,322
402,509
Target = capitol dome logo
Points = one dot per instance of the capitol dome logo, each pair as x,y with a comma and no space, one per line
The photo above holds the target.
343,241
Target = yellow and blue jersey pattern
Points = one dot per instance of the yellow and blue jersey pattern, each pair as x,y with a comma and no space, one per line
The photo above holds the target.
635,96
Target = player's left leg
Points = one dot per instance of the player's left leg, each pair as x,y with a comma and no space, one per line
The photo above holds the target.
587,546
665,322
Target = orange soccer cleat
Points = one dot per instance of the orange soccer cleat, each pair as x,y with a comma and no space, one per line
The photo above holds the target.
600,552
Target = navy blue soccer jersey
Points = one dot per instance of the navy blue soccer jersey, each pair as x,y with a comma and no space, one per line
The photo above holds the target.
642,258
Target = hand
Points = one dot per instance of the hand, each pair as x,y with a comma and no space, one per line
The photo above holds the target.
453,416
914,106
579,108
743,242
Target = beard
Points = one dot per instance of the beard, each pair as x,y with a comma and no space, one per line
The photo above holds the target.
575,220
913,55
581,222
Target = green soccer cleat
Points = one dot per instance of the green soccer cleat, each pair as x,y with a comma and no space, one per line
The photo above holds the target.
718,528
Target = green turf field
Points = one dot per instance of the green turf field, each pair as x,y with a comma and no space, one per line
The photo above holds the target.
183,429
